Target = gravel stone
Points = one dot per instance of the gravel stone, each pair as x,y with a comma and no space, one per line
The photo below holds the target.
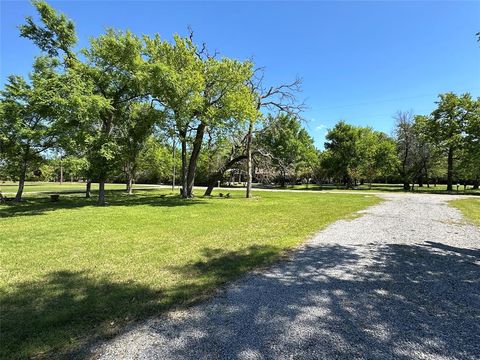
402,281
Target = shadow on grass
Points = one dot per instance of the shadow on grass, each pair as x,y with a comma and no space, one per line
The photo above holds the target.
40,205
40,316
219,266
64,313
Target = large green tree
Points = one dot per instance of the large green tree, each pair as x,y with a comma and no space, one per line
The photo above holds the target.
112,67
469,159
408,148
34,115
448,124
376,155
356,153
176,81
341,158
429,157
197,91
290,147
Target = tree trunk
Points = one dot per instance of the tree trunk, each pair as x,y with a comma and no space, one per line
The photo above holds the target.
450,170
129,184
406,185
21,183
420,181
476,184
249,161
216,177
101,193
88,189
192,165
183,136
283,179
208,191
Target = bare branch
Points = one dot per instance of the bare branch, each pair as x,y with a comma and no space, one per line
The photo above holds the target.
282,98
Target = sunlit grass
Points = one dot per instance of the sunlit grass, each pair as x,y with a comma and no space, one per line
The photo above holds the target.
378,187
10,188
470,208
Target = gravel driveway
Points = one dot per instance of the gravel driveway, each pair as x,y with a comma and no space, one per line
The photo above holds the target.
399,282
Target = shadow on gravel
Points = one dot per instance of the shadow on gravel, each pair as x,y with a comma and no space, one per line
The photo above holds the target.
468,252
408,302
420,301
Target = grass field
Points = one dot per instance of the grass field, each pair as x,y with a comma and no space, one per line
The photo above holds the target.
439,189
470,208
10,188
73,272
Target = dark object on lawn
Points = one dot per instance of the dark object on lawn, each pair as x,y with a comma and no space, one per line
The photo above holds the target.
227,196
4,199
162,196
221,194
54,197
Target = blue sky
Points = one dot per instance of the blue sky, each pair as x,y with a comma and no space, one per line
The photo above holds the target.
360,61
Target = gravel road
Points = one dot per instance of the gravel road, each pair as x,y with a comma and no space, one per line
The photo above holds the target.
400,282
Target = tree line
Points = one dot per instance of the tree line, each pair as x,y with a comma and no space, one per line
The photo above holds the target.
133,108
424,149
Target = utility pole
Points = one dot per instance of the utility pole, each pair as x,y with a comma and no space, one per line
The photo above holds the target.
61,171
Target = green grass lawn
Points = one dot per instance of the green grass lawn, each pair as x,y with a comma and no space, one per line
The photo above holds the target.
470,208
73,272
377,187
10,188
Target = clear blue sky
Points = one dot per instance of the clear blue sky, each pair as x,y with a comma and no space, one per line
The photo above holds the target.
360,61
